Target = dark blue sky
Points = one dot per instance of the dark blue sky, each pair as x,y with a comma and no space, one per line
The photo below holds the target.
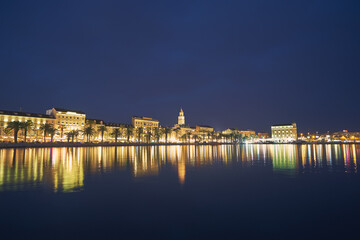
241,64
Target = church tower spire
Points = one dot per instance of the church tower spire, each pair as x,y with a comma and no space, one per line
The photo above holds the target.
181,118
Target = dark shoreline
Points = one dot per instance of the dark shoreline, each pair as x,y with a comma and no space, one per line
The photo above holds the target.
78,144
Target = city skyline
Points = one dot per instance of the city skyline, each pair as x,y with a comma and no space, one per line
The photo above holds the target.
179,120
192,124
65,125
244,64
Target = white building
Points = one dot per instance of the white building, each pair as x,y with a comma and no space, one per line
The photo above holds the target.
284,132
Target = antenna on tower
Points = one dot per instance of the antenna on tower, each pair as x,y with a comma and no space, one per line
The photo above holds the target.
20,109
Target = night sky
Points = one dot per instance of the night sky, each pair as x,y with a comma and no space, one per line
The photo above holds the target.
237,64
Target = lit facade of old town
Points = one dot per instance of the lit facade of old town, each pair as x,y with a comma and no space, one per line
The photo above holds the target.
63,125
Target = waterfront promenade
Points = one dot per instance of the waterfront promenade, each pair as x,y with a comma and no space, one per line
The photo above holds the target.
110,144
91,144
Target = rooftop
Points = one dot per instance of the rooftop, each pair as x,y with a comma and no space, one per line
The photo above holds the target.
205,126
96,121
117,124
145,118
13,113
278,125
68,110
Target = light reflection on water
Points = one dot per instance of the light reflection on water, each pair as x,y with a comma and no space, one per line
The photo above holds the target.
65,169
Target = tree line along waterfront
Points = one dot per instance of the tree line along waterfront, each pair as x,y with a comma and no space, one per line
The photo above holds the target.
17,131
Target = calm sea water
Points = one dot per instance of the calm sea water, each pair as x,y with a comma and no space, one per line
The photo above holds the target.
180,192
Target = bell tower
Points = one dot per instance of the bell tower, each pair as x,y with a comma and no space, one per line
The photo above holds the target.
181,118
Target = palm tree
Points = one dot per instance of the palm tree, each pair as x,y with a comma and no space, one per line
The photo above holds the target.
69,135
188,134
219,136
122,130
232,136
89,131
25,126
196,137
76,134
177,130
167,131
184,137
157,133
237,137
224,137
203,136
45,127
7,132
72,135
129,132
213,136
52,132
15,126
116,133
61,127
102,130
139,131
209,136
148,134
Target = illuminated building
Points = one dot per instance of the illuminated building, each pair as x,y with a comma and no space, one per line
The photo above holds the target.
284,132
345,136
144,122
178,132
181,118
230,131
96,123
37,120
67,120
110,128
247,133
63,120
204,128
180,129
263,135
244,133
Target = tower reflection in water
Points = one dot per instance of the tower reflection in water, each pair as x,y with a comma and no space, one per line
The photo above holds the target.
64,169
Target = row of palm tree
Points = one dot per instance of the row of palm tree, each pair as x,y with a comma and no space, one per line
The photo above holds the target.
127,132
16,126
72,135
48,128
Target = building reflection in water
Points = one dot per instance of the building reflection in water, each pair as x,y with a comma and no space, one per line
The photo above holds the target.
64,169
